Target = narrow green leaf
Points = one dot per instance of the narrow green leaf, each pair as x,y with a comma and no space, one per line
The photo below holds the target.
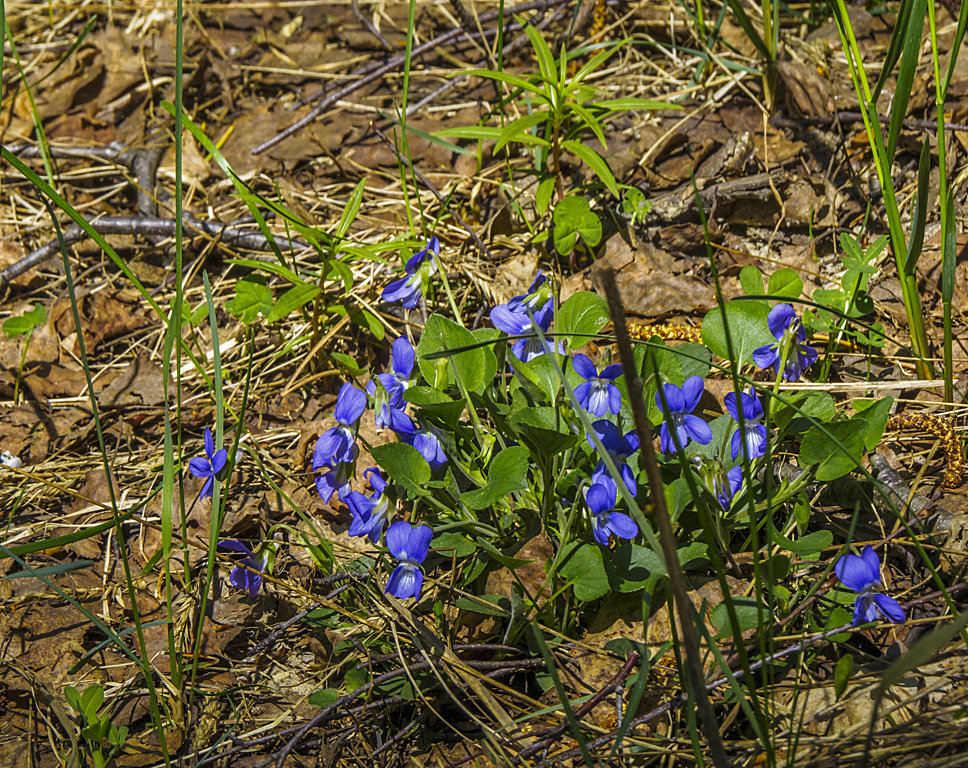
350,210
504,77
614,105
519,130
920,215
894,48
905,75
845,665
949,249
739,13
546,59
291,300
594,161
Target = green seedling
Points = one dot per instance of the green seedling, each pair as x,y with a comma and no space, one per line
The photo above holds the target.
24,325
558,110
97,729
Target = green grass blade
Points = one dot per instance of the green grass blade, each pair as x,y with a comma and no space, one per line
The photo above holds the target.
910,54
956,47
894,48
747,25
920,214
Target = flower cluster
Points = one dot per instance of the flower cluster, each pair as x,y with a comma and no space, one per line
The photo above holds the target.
680,426
336,451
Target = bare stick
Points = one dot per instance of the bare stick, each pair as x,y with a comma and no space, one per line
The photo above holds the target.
136,225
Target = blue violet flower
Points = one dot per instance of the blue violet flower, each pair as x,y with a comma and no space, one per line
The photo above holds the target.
517,323
370,513
409,545
597,394
338,444
862,574
754,433
600,497
387,389
790,337
408,290
241,577
681,403
334,481
620,447
211,467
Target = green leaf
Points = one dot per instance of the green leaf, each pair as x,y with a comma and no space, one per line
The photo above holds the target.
292,300
24,324
504,77
73,698
842,670
542,195
747,326
404,465
91,699
807,405
835,449
507,473
324,697
574,218
366,319
519,130
751,280
597,163
582,567
807,546
787,283
910,55
635,103
920,213
355,677
694,359
873,417
579,316
488,605
546,59
350,210
441,335
252,298
542,430
747,614
453,543
476,132
435,403
348,363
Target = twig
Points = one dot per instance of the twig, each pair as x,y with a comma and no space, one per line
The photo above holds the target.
368,25
359,79
553,733
440,199
281,628
136,225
